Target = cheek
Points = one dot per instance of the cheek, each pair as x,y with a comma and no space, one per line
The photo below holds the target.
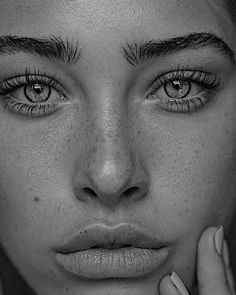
35,195
193,172
33,179
26,198
192,165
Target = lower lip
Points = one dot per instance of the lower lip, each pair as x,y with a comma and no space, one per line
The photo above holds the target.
126,262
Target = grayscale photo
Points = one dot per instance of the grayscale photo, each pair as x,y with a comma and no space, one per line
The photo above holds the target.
117,147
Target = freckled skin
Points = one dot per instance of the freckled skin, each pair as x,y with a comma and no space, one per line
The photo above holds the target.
109,139
36,199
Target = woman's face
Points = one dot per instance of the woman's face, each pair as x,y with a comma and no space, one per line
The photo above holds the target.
134,133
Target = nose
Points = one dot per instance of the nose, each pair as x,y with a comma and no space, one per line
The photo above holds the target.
113,170
114,177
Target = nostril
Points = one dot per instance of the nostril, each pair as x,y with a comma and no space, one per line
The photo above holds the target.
128,192
89,191
131,191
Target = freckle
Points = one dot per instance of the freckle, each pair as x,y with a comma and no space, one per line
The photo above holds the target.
36,199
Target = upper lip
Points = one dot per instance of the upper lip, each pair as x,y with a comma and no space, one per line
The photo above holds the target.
101,236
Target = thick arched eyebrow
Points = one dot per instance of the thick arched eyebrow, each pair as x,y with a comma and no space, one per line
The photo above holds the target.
136,53
52,47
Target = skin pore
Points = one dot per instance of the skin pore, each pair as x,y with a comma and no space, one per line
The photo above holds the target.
115,149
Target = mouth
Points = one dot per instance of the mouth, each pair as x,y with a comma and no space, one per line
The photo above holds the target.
111,246
99,252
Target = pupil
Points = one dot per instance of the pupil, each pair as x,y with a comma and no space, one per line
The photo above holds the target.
177,85
37,89
37,93
178,89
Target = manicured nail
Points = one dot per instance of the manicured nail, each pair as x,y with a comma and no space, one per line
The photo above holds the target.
179,285
226,254
219,239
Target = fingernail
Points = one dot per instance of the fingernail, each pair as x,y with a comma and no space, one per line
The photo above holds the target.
226,254
179,285
219,238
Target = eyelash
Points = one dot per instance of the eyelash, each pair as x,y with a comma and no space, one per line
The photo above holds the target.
202,78
35,77
205,79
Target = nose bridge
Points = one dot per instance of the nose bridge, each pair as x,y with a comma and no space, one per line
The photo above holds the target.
110,162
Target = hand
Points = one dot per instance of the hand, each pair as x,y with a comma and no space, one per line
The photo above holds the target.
214,275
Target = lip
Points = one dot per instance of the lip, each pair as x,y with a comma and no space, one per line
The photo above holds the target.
99,252
99,235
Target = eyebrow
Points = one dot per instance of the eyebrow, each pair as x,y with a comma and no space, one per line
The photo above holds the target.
52,47
136,53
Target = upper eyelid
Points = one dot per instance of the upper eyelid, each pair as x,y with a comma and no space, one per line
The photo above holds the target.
35,77
215,84
187,74
179,72
176,69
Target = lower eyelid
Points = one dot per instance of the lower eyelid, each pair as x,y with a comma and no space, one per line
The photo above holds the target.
13,105
185,105
24,109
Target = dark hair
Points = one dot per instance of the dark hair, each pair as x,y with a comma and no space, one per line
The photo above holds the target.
231,5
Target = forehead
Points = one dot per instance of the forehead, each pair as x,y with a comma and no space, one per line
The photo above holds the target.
112,21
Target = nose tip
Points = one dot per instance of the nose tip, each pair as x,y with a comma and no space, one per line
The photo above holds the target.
115,180
110,177
111,180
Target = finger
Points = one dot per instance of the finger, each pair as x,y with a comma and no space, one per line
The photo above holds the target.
211,273
229,274
172,285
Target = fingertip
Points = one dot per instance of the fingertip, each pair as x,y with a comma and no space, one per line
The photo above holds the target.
206,238
166,287
179,284
225,254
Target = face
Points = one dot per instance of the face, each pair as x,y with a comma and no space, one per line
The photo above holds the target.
106,139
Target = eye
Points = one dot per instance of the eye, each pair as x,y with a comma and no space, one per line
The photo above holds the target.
36,92
184,91
177,89
31,95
